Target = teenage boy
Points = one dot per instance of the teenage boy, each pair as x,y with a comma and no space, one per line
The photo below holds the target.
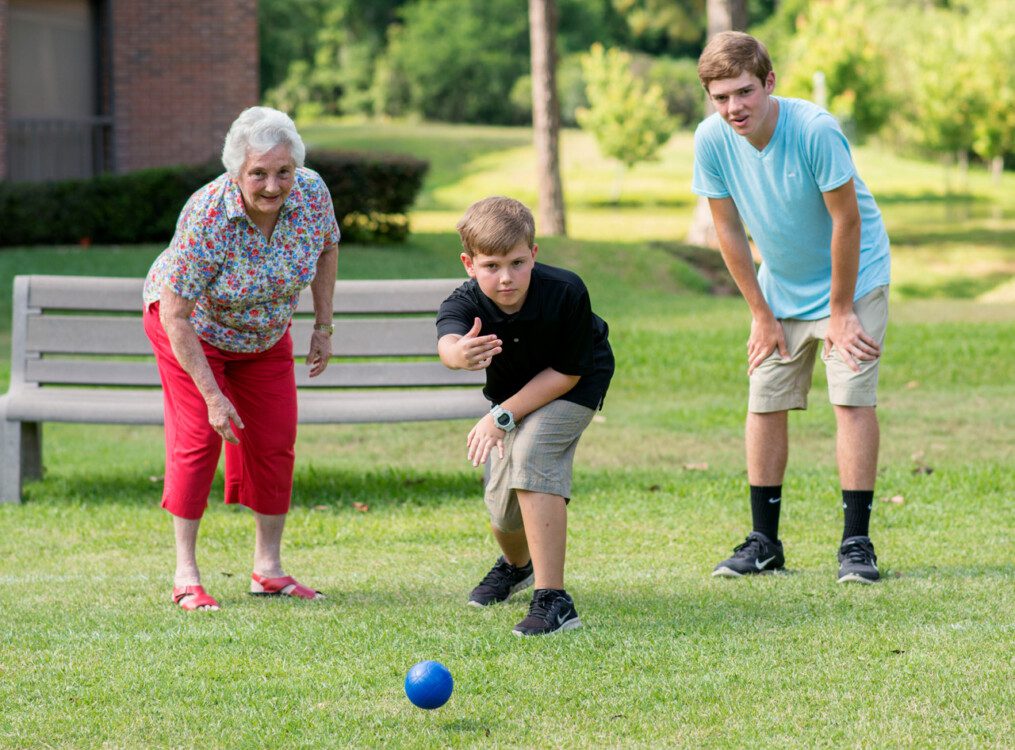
548,364
784,167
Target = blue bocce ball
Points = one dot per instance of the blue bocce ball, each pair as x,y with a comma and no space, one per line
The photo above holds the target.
429,684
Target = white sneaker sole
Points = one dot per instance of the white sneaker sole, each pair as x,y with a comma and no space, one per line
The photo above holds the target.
856,578
725,572
514,590
569,625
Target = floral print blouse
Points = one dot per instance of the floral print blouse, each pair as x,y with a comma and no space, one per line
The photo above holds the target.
246,286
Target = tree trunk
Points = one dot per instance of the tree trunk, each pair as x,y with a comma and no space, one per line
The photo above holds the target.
546,116
723,15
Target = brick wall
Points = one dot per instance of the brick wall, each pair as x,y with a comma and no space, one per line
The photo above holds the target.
3,89
182,72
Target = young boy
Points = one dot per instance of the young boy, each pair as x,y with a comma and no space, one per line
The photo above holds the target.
548,364
784,167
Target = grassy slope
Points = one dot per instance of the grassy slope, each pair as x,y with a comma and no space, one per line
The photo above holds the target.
91,654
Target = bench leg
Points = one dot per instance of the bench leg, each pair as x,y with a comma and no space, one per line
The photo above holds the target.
31,450
10,461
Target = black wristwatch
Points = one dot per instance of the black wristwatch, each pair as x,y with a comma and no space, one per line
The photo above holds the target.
503,418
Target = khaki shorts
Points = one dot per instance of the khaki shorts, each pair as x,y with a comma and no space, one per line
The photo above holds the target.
778,385
538,457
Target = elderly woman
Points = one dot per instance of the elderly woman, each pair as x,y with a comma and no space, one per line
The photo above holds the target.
218,306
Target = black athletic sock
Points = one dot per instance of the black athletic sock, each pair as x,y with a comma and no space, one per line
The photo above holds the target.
856,506
765,505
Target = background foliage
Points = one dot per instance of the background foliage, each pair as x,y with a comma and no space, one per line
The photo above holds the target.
372,194
931,76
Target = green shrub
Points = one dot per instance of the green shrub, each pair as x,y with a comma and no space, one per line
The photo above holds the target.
371,194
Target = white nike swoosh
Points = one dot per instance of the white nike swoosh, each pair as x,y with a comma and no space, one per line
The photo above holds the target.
560,620
774,500
760,564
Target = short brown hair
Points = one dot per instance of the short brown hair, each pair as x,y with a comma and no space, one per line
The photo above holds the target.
731,53
495,226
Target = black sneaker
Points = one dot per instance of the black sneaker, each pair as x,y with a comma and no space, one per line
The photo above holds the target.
857,561
551,611
502,581
758,554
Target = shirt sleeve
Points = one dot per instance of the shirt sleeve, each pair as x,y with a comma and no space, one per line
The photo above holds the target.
456,314
708,180
327,221
192,261
827,152
573,355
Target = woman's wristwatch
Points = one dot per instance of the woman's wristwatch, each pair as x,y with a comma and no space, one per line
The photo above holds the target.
328,328
503,418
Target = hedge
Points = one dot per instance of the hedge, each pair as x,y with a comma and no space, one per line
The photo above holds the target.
372,194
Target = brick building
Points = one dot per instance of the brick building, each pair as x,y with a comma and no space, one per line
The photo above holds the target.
89,86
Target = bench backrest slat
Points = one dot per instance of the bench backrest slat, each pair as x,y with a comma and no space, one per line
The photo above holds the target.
72,330
351,296
338,375
367,337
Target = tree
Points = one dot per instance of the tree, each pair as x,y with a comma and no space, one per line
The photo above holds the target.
723,15
839,39
627,117
546,115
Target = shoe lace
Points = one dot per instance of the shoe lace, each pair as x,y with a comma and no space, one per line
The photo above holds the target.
857,552
541,603
499,573
751,547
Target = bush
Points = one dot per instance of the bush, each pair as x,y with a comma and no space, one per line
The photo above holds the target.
371,194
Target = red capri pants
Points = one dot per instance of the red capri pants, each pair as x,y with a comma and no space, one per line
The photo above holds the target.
262,388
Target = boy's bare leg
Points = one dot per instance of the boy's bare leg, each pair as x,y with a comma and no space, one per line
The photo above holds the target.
856,446
545,518
514,545
767,439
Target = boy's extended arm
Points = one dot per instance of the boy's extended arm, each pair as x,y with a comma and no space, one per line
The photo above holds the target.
541,390
766,332
468,352
845,332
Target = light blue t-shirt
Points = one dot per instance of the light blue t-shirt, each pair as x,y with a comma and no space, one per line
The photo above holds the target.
778,193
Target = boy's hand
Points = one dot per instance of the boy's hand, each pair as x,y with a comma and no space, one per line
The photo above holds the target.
766,336
482,438
475,351
851,341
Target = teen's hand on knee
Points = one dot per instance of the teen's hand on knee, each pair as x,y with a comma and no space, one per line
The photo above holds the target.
478,351
766,336
846,334
482,439
220,413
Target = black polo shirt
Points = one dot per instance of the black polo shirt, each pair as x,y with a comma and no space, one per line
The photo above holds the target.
554,328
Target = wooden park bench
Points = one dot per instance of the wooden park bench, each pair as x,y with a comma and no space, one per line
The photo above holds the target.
79,354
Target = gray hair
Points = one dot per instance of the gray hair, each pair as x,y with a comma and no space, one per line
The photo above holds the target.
256,131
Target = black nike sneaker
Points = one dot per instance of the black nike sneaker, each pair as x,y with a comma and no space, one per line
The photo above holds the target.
758,554
551,611
501,582
857,561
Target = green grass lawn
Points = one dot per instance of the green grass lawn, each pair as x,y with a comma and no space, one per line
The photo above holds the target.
93,655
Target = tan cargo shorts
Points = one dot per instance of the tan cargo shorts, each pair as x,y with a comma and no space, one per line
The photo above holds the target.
778,384
538,457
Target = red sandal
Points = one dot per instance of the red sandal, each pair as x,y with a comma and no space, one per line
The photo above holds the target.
283,586
192,598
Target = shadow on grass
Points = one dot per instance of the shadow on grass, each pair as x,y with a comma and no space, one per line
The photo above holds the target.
633,202
312,488
926,197
966,287
1004,239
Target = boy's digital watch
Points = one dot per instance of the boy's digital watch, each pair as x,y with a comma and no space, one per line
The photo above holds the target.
503,418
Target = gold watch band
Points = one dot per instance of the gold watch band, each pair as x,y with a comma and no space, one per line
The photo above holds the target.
328,328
